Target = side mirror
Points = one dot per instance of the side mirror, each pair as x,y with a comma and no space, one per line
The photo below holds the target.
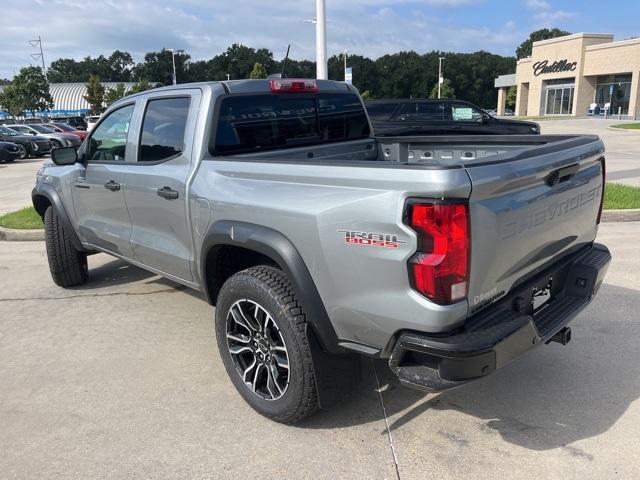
64,156
486,118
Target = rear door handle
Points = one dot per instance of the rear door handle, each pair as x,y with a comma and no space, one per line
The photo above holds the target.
111,185
168,193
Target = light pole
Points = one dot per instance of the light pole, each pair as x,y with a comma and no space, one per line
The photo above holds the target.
344,54
321,40
173,61
440,79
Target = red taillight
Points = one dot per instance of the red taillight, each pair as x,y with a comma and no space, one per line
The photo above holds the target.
604,184
293,85
440,268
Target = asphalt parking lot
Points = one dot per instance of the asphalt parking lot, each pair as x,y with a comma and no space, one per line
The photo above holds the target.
121,378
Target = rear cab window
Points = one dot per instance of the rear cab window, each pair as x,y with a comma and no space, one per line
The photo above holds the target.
252,123
421,111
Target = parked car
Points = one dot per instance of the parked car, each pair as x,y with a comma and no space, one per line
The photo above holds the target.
441,117
78,122
64,128
29,145
58,140
317,242
91,121
9,152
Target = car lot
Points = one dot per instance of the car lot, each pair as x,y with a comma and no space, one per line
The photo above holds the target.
121,379
623,159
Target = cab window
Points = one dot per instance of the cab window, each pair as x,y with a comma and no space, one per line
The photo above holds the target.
108,141
163,127
461,112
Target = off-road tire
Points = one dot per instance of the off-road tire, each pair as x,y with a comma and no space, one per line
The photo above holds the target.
68,266
271,289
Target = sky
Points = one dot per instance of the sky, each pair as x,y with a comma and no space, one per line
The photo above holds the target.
204,28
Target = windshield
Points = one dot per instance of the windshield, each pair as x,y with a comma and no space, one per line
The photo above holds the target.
41,129
8,131
63,126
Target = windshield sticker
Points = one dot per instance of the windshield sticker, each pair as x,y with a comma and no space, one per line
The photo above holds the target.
462,113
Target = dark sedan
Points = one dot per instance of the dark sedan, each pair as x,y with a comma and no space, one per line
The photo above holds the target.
441,117
9,152
29,145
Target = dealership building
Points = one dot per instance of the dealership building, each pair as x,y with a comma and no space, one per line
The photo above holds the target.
580,74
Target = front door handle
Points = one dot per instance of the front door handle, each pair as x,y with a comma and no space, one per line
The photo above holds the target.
168,193
111,185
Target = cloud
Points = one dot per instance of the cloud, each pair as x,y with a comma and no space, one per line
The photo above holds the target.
80,28
545,14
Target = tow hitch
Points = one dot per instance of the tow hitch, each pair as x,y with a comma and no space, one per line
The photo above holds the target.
563,336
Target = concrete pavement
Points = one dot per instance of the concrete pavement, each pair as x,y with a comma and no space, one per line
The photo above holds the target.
16,182
121,379
622,146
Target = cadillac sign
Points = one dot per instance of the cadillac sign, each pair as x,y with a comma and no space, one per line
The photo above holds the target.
556,67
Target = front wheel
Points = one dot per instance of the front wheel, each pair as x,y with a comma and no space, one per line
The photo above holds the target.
261,335
68,266
23,151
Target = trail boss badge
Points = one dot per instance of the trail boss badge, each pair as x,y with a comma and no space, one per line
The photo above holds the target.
384,240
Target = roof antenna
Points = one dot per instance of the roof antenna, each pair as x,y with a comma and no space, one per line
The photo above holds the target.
284,63
284,66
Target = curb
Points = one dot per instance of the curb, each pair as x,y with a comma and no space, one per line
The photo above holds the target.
625,130
623,215
12,235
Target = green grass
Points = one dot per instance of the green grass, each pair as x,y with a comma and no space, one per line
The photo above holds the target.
621,196
25,219
627,126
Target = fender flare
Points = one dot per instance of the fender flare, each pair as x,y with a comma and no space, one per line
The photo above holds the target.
49,192
279,248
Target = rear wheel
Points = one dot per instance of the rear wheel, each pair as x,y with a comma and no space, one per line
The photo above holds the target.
261,335
68,266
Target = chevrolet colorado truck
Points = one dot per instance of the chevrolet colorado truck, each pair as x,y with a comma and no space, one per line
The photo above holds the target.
319,243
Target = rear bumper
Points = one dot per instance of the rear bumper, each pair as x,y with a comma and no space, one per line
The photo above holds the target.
502,332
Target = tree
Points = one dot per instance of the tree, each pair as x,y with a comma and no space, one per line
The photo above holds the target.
158,67
28,92
95,95
114,94
525,48
258,71
446,90
512,94
141,86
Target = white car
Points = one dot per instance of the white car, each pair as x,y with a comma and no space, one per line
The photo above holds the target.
91,121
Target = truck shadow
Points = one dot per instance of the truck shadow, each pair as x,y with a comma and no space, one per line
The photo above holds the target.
548,399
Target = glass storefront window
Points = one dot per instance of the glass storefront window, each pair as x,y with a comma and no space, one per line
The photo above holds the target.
559,101
615,90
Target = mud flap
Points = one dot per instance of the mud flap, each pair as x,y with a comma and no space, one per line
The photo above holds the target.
336,375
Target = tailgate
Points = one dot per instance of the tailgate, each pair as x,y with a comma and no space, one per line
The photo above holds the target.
530,209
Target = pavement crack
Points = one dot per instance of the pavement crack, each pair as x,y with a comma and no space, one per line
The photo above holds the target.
112,294
386,422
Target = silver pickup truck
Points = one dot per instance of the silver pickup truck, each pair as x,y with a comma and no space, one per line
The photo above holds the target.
319,243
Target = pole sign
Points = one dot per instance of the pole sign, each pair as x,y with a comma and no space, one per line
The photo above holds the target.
348,75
